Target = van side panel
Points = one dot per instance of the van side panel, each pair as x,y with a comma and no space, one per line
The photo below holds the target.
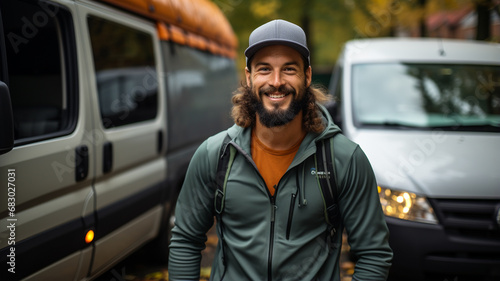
199,87
128,119
52,200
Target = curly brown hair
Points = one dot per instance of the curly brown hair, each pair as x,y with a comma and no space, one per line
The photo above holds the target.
243,111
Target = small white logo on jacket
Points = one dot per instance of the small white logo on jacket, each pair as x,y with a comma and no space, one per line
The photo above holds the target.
320,174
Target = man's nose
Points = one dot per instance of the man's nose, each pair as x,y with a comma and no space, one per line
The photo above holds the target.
276,79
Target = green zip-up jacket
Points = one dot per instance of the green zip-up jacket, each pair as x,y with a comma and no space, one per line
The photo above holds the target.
285,236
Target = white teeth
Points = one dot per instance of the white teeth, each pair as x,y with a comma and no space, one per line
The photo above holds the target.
276,96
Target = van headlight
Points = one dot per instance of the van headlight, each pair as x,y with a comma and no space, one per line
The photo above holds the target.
406,205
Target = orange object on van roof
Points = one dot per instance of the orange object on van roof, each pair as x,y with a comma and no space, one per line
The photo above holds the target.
185,21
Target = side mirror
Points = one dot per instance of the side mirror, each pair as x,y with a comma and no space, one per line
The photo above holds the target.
6,120
333,108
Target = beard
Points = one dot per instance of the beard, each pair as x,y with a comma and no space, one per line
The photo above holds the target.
277,117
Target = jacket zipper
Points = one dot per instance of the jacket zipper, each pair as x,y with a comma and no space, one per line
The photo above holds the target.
290,216
292,207
273,211
271,240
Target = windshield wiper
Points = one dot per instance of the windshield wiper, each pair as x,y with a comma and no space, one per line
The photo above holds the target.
492,127
391,124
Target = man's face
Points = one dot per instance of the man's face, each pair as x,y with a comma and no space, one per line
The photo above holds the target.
278,82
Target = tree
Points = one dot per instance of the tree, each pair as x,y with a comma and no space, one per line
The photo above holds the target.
422,25
483,8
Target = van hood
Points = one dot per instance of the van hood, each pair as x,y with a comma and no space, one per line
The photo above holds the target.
435,163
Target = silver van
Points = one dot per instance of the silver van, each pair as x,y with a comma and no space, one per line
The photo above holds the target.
427,114
102,104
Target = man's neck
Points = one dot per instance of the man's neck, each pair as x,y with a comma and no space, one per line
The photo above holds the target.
282,137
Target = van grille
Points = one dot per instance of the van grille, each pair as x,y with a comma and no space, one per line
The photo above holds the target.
472,219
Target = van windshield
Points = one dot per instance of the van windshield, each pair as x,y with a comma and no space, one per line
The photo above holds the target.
411,95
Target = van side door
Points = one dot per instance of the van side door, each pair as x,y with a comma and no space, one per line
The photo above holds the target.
129,127
47,202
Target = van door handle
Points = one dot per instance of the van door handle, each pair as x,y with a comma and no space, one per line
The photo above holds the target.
159,146
81,162
107,158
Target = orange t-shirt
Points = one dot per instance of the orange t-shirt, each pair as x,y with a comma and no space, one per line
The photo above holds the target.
272,164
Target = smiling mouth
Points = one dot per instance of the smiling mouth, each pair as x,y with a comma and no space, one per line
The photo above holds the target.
276,96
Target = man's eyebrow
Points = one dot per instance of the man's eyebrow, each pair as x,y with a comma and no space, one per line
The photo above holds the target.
262,63
285,64
292,63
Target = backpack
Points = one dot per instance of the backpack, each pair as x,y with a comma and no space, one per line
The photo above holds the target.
324,158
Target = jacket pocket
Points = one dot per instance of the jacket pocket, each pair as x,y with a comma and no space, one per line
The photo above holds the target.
290,215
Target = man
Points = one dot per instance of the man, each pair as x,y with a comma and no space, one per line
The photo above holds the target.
274,226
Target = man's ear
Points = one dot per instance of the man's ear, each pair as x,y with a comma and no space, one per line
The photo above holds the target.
308,76
247,75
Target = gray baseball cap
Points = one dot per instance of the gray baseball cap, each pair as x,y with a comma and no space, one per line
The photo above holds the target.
277,32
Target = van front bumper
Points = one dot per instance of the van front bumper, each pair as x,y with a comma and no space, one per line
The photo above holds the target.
430,252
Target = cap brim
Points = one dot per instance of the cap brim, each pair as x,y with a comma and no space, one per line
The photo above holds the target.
250,51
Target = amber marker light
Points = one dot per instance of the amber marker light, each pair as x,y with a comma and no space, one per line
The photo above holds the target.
89,236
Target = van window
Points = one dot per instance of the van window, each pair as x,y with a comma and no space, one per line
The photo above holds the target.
458,97
40,68
125,72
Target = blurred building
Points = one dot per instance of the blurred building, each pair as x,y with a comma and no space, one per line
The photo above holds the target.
459,24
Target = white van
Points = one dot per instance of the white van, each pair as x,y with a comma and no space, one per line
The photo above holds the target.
102,104
427,114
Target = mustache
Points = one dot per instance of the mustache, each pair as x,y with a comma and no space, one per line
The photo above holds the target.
284,89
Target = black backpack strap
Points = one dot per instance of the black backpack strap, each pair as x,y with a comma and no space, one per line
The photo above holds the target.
226,157
328,183
221,175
